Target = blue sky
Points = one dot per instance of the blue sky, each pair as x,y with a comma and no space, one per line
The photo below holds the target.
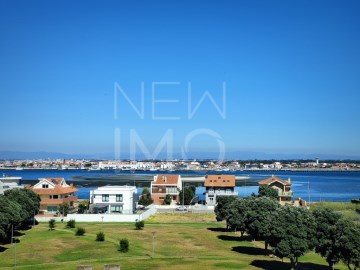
291,70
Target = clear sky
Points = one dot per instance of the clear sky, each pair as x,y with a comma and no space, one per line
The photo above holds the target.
270,76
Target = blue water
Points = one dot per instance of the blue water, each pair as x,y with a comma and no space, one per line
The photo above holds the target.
320,186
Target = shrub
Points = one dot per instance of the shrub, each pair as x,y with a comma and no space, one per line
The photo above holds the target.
80,231
139,225
124,245
52,224
70,223
100,236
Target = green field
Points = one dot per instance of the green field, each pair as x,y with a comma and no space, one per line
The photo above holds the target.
193,242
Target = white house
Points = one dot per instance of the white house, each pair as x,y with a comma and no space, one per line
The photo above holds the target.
114,199
7,183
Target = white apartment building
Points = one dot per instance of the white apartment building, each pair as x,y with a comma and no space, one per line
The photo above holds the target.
114,199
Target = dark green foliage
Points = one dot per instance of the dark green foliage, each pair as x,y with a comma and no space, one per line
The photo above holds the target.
52,224
9,216
292,233
266,191
64,209
189,194
347,236
70,223
124,245
236,215
326,220
222,206
145,198
139,225
100,236
259,212
83,206
80,231
355,201
167,199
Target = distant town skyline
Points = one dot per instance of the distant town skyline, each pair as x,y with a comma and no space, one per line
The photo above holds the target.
175,78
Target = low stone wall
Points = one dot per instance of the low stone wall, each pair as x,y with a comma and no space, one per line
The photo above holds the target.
102,217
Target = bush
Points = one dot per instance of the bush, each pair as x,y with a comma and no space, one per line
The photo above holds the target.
70,223
80,231
100,236
52,224
139,225
124,245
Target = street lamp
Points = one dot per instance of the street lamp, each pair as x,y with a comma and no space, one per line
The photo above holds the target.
153,244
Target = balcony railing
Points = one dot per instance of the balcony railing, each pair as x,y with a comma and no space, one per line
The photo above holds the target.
222,192
285,193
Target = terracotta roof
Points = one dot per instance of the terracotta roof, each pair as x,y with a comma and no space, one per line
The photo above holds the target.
223,180
272,179
54,191
166,179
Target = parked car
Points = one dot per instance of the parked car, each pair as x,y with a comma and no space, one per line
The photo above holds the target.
181,208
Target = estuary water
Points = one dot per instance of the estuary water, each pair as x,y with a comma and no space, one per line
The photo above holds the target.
316,186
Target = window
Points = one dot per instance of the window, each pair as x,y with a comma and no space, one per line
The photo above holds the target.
55,196
45,186
52,208
105,197
119,197
211,200
116,209
171,190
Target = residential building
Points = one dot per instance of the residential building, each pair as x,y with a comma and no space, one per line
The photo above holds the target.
7,183
283,188
54,192
219,185
114,199
166,184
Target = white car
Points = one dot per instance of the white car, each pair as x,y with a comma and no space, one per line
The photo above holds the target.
181,208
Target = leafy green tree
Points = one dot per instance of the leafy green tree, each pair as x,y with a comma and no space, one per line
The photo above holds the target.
83,206
145,198
100,236
347,236
64,209
259,212
292,233
10,216
186,195
326,220
139,225
52,224
71,223
28,201
236,218
167,199
222,206
266,191
80,231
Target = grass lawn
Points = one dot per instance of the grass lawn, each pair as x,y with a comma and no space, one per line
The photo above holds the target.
182,241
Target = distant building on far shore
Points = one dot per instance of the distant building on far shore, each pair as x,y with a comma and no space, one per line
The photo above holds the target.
219,185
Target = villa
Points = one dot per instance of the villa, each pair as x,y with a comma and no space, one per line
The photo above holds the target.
114,199
283,188
166,184
219,185
54,192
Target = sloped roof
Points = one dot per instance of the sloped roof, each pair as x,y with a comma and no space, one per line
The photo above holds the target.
167,179
223,180
54,191
272,179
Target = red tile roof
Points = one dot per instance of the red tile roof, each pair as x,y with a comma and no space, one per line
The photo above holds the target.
272,179
166,179
223,180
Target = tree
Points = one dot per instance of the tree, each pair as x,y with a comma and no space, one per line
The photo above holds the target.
52,224
347,236
10,217
236,215
326,220
259,212
64,209
167,199
83,206
266,191
145,198
124,245
139,225
292,233
100,236
222,206
71,223
186,195
80,231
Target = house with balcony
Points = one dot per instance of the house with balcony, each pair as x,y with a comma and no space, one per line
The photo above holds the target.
114,199
283,188
219,185
166,184
54,192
